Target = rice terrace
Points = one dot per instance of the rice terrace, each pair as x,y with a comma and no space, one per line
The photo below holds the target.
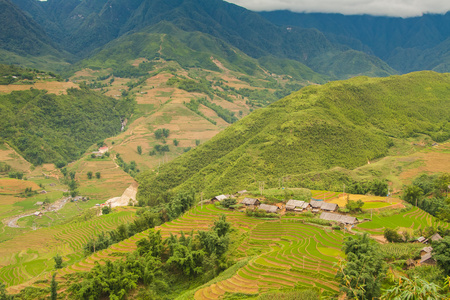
202,150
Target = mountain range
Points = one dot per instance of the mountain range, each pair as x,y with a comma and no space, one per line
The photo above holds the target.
78,29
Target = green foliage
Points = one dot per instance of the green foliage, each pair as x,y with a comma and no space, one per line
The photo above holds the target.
98,175
175,142
18,175
392,236
89,174
401,251
162,132
354,206
228,202
53,288
415,288
106,210
441,253
58,261
54,128
3,293
139,150
362,273
340,124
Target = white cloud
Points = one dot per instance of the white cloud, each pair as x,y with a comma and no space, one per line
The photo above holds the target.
399,8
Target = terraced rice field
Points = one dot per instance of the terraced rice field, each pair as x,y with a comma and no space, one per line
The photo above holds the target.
414,219
24,258
284,253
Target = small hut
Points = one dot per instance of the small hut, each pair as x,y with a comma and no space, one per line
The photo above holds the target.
269,208
250,202
427,260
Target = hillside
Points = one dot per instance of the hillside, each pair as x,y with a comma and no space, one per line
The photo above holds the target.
406,44
345,124
85,27
23,41
45,127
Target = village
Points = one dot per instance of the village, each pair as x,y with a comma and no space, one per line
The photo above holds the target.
325,211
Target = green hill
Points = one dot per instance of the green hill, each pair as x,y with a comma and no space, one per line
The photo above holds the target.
343,124
45,127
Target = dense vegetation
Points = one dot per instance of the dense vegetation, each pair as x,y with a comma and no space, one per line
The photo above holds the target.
45,127
320,127
161,265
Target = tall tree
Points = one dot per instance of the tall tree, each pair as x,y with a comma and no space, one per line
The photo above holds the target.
54,288
361,275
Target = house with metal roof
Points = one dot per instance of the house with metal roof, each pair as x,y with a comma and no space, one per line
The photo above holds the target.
219,198
296,205
435,237
343,219
329,206
427,260
269,208
315,204
250,201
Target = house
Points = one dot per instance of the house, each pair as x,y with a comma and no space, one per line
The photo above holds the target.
43,192
219,198
269,208
38,214
421,239
250,201
316,204
343,219
296,205
329,206
426,250
435,237
427,260
39,203
103,150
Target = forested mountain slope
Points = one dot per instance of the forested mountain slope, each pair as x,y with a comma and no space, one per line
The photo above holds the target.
406,44
82,26
344,123
45,127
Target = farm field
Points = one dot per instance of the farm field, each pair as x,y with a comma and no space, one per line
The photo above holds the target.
412,219
24,257
283,253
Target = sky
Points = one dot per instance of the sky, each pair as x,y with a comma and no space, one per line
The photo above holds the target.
397,8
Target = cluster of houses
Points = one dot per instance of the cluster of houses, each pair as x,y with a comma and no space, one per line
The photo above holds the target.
327,210
425,253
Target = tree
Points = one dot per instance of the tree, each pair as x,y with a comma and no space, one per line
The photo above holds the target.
197,142
89,175
354,206
392,236
441,253
58,261
54,288
414,289
139,150
97,175
3,294
106,210
361,274
412,194
175,142
228,202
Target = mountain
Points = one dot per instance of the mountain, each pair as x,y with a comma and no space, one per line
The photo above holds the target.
89,25
402,42
340,124
23,41
47,128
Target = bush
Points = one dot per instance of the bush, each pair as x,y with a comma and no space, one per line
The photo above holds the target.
228,202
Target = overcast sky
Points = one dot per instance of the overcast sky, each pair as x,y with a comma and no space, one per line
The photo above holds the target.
400,8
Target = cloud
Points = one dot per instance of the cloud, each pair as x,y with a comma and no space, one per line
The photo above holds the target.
399,8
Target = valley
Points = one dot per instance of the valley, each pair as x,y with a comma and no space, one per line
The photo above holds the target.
194,149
